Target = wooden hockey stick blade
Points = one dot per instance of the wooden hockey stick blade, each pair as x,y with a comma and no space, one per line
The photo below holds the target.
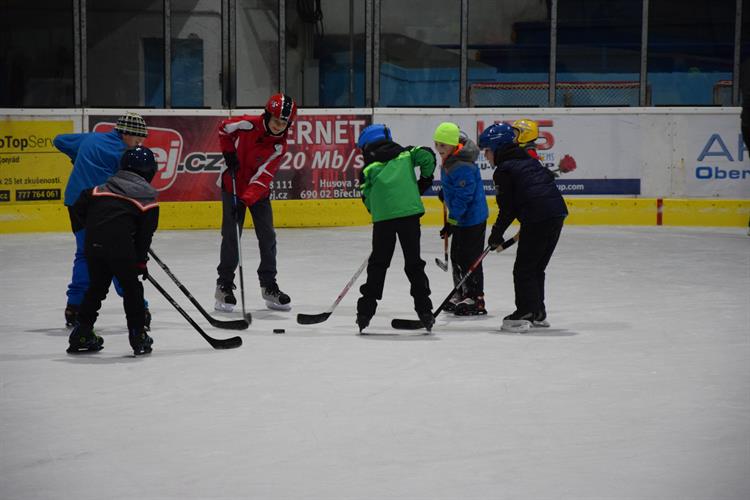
406,324
230,343
234,324
312,319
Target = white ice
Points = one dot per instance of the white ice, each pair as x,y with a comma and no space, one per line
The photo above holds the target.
640,390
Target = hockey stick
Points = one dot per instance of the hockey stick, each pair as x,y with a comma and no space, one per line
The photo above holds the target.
415,324
235,324
229,343
246,315
311,319
443,264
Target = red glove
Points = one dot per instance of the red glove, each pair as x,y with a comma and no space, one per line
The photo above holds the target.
567,164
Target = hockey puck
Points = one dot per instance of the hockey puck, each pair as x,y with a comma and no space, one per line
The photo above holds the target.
279,330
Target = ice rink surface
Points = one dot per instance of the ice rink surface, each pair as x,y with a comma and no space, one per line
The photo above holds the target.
640,390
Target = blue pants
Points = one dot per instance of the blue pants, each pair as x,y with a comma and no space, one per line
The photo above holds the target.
79,283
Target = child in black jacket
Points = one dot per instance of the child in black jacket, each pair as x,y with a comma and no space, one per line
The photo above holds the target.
120,217
525,191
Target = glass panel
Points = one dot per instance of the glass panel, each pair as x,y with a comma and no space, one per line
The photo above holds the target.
125,53
690,51
196,54
257,51
36,54
509,47
598,52
325,53
420,52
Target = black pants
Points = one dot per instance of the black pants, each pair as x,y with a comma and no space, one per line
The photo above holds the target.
101,271
262,215
384,235
467,245
536,244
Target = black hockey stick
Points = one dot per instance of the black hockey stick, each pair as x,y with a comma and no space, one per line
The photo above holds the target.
234,324
245,314
229,343
443,264
311,319
415,324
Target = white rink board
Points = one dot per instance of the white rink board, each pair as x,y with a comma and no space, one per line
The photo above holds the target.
666,150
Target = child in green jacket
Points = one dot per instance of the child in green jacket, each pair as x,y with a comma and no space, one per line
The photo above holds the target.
392,195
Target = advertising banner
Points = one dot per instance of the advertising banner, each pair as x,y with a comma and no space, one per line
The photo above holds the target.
321,160
714,159
31,169
602,147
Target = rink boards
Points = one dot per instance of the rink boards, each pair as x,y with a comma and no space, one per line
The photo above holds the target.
633,166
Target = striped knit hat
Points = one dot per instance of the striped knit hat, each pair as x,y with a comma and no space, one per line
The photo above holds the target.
131,124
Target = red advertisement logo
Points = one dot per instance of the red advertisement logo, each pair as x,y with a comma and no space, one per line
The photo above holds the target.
166,144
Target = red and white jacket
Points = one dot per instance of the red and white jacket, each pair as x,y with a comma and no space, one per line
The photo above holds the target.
259,154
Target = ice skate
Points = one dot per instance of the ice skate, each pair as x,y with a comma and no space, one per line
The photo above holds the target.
471,306
453,302
84,340
140,341
540,320
147,320
427,319
517,322
275,298
71,314
225,299
363,321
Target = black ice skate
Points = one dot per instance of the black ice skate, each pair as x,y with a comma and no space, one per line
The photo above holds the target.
84,340
517,322
275,298
363,321
140,341
427,319
471,306
147,320
225,299
71,314
540,320
451,305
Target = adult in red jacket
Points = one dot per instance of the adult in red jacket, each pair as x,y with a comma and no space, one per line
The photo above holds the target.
253,147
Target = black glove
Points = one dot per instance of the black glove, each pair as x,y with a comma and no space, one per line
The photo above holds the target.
424,183
441,196
232,162
447,231
141,270
496,238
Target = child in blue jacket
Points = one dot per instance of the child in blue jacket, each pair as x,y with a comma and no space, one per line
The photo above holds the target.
463,195
95,157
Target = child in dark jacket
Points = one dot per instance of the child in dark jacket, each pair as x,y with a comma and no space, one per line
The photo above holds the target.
120,217
464,198
391,194
525,191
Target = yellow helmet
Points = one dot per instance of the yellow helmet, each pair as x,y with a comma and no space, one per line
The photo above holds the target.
528,130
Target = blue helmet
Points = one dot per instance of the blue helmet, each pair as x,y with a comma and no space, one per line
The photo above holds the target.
141,161
373,133
497,135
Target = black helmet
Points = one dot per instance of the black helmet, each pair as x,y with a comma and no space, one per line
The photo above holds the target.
141,161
